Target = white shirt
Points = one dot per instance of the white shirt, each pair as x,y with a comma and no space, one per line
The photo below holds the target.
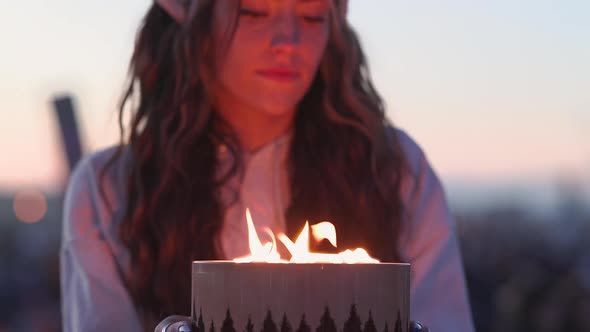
93,260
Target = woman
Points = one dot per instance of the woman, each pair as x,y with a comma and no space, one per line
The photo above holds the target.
255,103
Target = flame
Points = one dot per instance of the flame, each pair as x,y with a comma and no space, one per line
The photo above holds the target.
259,252
299,250
324,230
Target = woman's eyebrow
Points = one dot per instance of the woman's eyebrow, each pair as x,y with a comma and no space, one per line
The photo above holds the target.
312,2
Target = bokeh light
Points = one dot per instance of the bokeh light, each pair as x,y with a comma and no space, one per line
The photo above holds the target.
30,206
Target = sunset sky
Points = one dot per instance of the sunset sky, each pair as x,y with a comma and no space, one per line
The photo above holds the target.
497,92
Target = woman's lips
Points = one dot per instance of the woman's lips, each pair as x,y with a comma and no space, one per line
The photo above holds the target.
280,75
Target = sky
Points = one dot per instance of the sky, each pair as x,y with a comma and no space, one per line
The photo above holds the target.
495,92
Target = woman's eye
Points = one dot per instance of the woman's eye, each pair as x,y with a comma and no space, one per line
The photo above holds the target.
252,13
314,19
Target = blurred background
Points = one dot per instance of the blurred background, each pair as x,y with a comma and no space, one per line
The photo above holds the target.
495,92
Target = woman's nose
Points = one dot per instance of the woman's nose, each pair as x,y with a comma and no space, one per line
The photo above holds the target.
287,33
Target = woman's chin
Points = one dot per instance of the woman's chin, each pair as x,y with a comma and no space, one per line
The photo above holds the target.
278,109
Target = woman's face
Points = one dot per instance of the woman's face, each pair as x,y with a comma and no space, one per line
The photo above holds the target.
274,54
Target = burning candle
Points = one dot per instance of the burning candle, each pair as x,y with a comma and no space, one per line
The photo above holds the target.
349,291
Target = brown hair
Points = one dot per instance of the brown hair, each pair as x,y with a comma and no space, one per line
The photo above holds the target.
345,161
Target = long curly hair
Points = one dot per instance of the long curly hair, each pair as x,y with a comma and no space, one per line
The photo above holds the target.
345,161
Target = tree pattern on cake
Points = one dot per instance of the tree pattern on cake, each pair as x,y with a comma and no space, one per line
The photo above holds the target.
249,325
398,324
353,324
269,325
200,322
228,323
303,327
370,324
285,325
326,323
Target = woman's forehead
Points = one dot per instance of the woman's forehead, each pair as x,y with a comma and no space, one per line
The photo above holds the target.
289,1
231,5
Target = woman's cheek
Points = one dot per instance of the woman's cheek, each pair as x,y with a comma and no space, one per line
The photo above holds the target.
316,42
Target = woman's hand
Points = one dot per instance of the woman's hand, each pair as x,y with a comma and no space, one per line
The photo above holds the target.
418,327
176,324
